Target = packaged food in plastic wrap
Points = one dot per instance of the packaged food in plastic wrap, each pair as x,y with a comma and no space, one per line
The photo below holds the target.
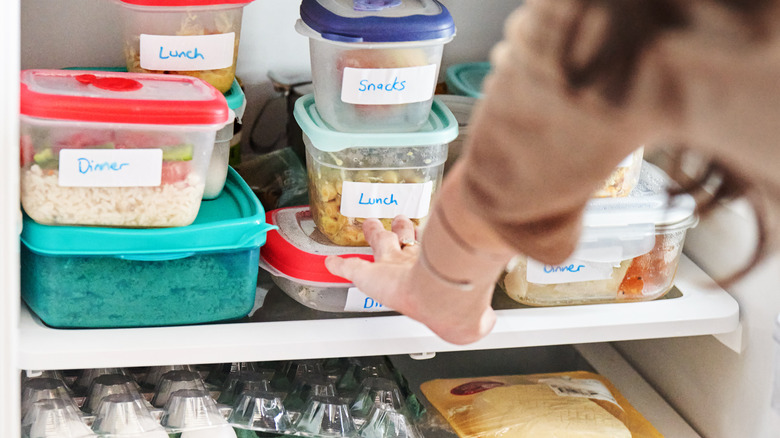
577,404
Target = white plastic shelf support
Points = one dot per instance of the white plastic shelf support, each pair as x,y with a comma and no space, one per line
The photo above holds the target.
701,309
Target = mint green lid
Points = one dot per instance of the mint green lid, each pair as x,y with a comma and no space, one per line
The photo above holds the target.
234,220
466,79
441,127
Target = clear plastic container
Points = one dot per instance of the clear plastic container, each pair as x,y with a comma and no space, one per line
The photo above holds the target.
629,251
113,277
190,37
375,65
295,258
353,176
461,107
106,148
624,178
220,156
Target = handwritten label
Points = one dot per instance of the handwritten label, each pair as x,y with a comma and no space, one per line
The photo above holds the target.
383,86
110,167
385,200
587,388
187,53
357,301
570,271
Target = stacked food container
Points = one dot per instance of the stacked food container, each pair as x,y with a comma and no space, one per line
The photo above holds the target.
132,216
376,139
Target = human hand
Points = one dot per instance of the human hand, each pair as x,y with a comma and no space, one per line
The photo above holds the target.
397,280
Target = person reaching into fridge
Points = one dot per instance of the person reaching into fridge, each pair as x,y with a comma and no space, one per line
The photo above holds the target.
576,86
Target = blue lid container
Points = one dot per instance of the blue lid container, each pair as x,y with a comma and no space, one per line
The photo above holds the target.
115,277
466,79
378,20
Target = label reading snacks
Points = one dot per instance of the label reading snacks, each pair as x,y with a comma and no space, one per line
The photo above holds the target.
385,200
187,53
388,86
110,167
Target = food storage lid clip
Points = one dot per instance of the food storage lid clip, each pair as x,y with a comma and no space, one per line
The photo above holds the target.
234,220
357,21
298,250
441,127
119,97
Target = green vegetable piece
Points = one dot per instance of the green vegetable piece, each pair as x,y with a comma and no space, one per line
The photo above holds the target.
44,156
179,152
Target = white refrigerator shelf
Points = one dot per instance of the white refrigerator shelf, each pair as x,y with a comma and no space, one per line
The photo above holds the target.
696,307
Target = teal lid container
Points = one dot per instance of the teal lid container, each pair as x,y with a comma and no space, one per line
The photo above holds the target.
79,277
441,127
466,79
355,175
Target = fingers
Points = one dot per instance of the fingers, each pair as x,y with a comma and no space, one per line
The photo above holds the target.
404,228
383,243
349,268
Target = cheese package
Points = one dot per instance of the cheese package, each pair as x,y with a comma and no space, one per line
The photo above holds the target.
575,404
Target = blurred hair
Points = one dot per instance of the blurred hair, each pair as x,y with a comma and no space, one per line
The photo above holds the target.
633,26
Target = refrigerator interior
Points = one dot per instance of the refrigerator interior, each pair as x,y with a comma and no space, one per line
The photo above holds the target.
720,386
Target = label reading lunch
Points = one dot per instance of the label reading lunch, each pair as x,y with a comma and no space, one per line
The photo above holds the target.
357,301
110,167
385,200
383,86
570,271
187,52
587,388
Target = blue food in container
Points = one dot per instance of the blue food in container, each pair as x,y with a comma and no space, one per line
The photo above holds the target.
100,277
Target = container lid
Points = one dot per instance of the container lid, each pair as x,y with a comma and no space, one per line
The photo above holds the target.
298,250
441,127
356,21
626,227
466,79
185,3
120,97
234,220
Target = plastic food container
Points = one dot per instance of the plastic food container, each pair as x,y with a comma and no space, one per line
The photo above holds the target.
295,258
353,176
375,65
624,178
629,251
220,156
116,149
116,277
461,107
466,79
187,37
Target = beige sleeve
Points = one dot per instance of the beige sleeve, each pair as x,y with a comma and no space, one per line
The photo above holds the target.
536,151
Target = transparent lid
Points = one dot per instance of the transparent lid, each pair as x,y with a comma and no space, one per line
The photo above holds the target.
441,127
121,97
298,250
378,20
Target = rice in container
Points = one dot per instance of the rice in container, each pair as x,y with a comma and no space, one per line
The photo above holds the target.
295,258
101,277
116,149
353,176
629,251
375,65
188,37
